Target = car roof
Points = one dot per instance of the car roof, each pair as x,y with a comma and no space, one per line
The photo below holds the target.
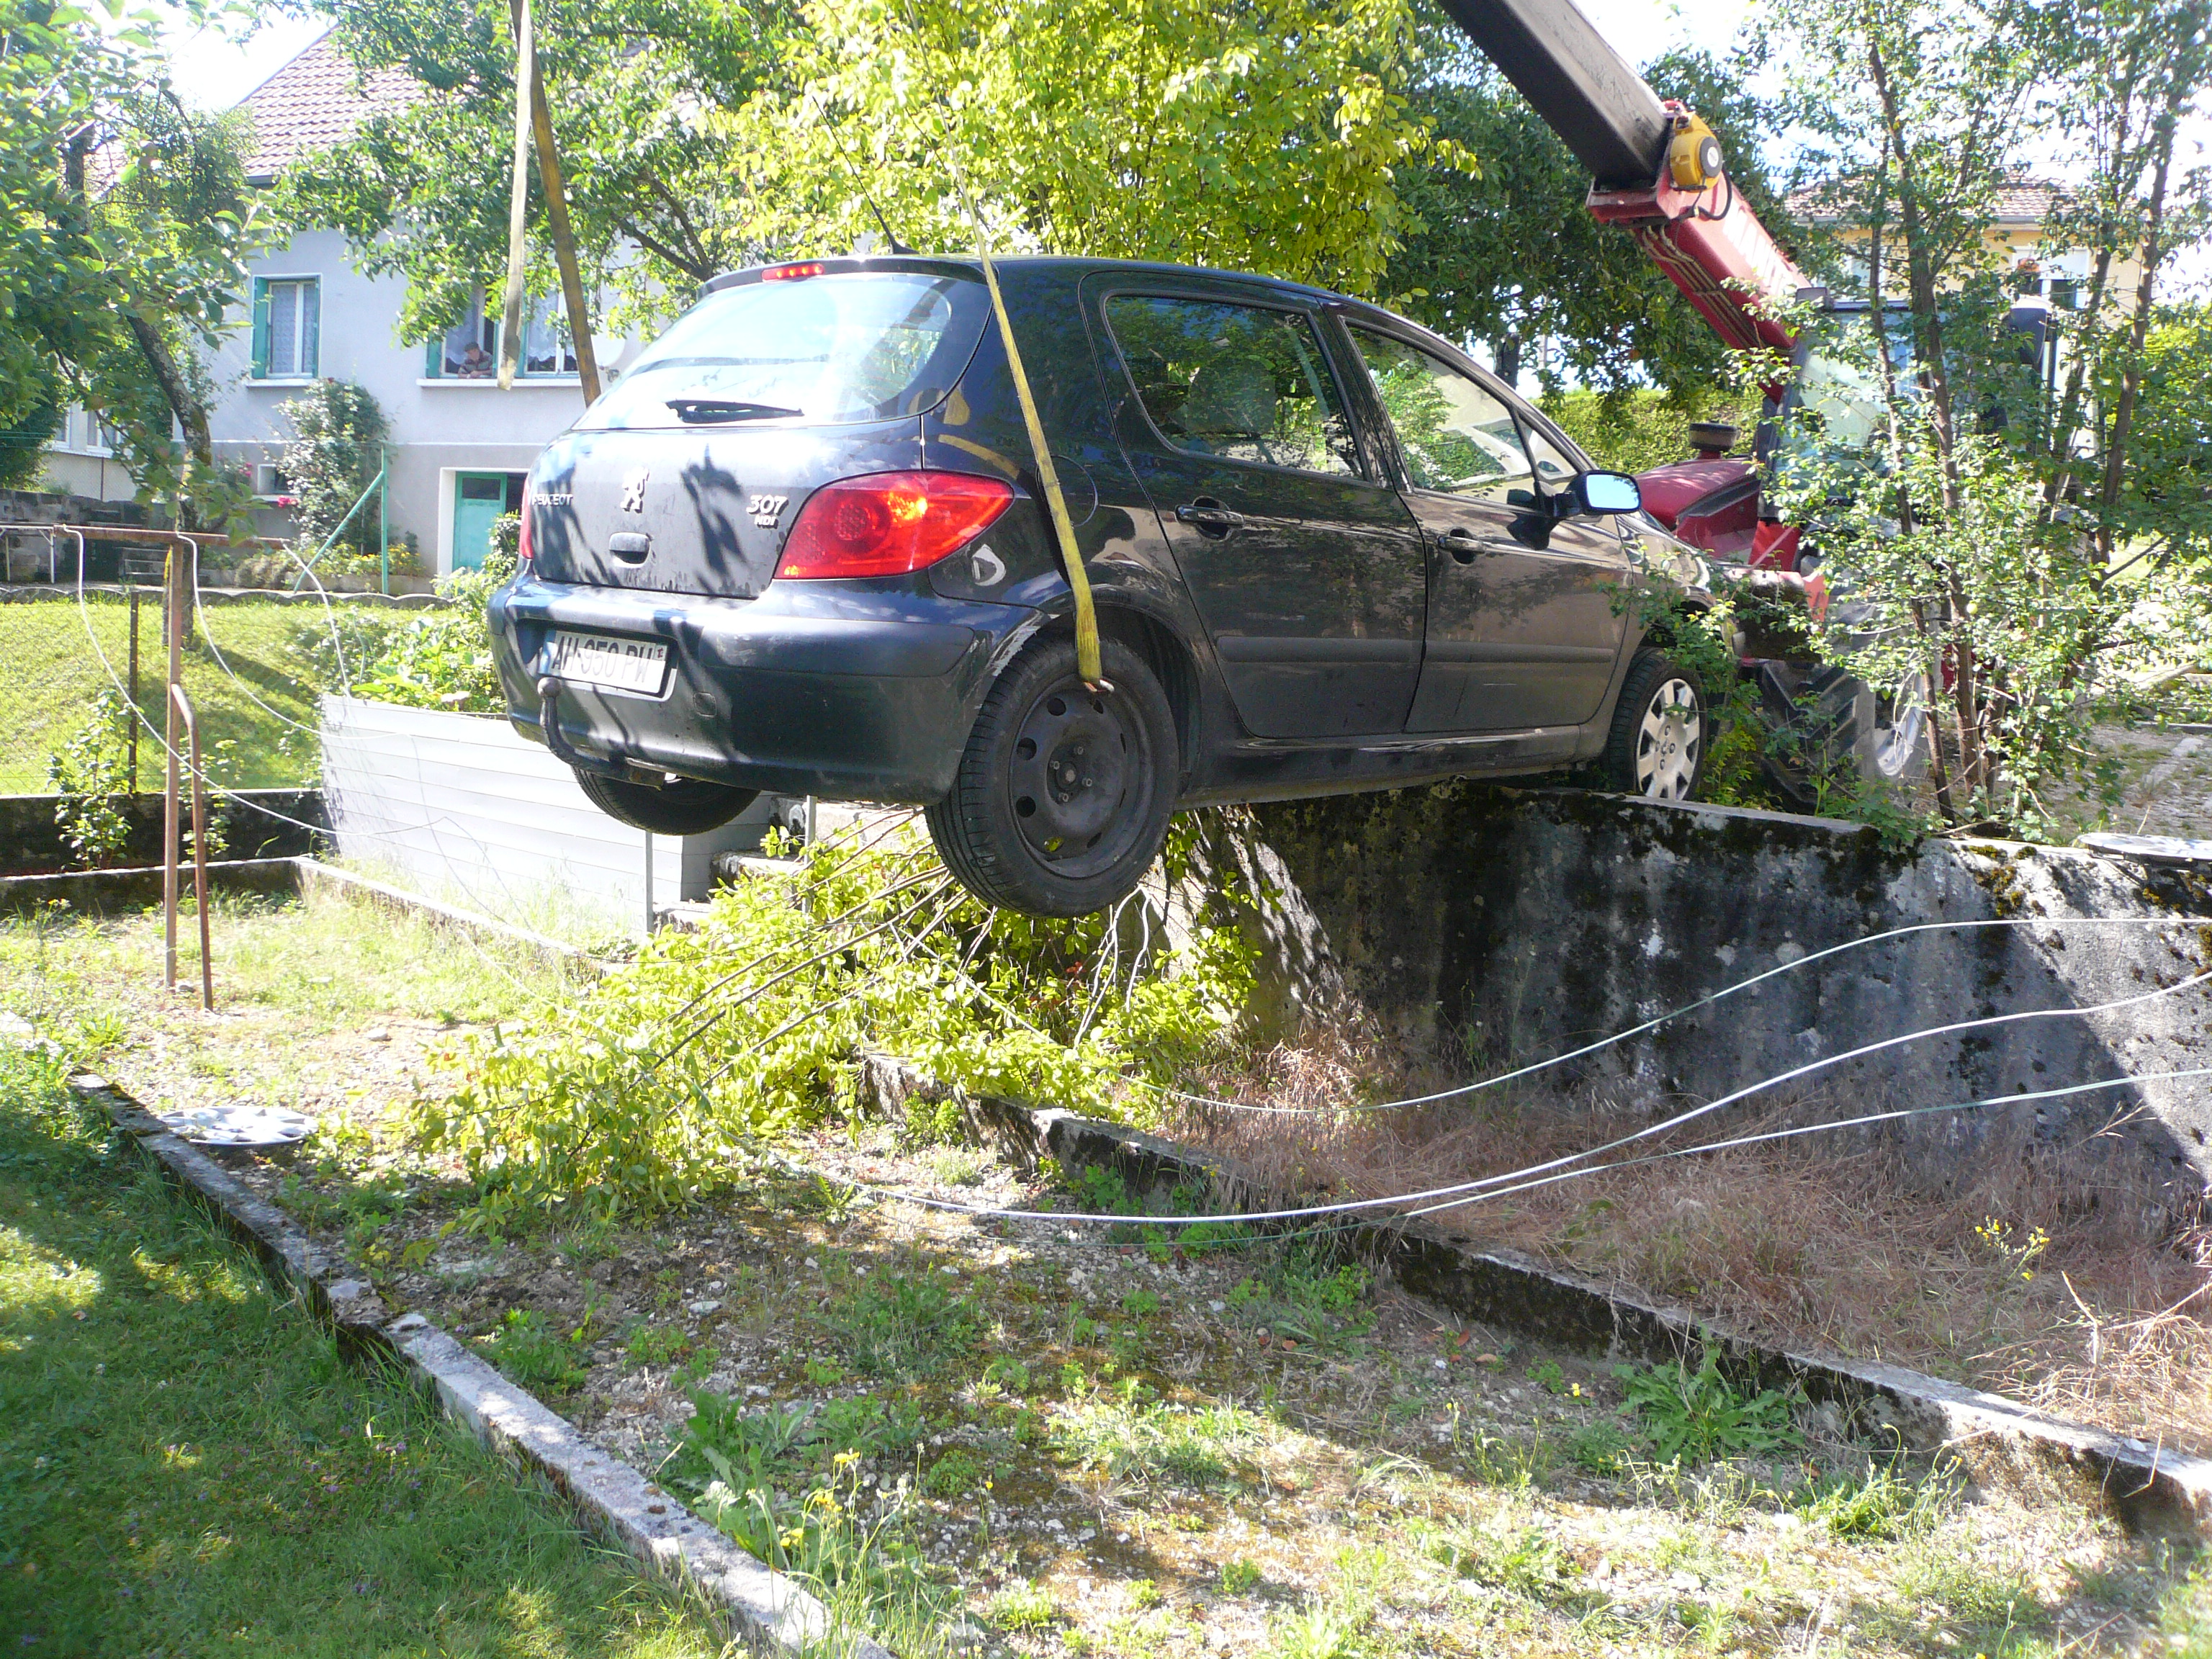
1075,265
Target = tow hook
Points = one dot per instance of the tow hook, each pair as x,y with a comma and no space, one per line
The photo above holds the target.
548,723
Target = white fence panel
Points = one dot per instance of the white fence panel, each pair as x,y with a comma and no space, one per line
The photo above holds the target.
462,806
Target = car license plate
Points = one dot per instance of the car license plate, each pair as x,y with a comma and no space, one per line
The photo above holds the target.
596,659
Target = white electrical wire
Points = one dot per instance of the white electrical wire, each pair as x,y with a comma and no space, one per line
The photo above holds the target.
1508,1178
987,1212
1739,1141
1534,1067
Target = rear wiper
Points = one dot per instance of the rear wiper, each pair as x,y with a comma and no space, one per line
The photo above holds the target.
701,411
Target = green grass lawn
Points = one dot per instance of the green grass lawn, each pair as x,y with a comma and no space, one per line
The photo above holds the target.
49,674
188,1468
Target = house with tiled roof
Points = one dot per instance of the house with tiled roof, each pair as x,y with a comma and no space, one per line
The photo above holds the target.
459,445
2042,262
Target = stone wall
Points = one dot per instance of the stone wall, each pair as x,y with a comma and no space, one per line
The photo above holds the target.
1492,926
31,842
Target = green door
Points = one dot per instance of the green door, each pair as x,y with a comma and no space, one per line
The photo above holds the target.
478,498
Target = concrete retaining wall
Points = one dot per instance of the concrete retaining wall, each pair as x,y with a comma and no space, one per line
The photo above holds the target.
31,842
1496,925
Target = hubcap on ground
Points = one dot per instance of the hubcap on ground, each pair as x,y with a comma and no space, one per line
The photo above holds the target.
1079,782
1668,742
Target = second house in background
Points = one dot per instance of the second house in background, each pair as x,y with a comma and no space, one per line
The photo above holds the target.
459,445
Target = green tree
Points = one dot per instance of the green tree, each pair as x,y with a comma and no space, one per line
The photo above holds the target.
421,189
124,230
1507,253
1265,134
1985,523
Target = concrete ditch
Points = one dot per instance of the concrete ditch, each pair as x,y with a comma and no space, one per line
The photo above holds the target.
268,824
2150,1490
762,1608
1492,926
102,892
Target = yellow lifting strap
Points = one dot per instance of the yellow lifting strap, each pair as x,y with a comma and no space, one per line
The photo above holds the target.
1087,663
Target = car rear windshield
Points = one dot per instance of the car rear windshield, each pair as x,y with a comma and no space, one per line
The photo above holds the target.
844,347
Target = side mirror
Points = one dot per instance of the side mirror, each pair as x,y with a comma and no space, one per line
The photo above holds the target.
1605,492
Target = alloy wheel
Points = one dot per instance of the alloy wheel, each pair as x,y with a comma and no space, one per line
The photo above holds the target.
1669,741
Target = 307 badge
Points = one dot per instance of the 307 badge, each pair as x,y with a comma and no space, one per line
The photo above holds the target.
767,509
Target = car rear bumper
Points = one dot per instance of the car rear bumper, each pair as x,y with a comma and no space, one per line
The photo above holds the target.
848,690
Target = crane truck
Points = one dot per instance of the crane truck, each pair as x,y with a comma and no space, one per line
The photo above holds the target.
1658,171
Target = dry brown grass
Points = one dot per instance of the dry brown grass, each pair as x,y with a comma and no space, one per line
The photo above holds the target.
1806,1243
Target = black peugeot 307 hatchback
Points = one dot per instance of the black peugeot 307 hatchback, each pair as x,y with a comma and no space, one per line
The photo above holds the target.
801,546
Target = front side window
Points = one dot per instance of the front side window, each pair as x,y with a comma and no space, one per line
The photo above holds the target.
1553,470
287,327
1456,435
1241,382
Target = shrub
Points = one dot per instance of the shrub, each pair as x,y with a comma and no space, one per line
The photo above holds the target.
656,1083
89,775
338,434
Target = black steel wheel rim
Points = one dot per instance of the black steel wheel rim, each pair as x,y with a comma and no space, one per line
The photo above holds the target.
1080,782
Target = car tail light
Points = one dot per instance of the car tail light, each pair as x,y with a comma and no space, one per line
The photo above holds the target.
792,272
888,523
522,541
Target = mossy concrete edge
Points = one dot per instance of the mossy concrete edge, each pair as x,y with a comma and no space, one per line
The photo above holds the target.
2148,1488
764,1609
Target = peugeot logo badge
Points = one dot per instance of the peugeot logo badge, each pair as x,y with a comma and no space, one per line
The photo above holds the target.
633,489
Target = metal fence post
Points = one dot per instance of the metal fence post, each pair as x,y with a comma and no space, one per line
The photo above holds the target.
132,723
648,883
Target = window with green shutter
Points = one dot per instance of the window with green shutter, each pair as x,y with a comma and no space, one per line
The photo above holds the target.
287,327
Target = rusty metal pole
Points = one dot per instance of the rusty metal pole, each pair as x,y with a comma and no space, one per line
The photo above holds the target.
173,616
183,705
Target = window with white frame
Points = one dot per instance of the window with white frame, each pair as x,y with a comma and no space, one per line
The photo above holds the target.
287,327
470,350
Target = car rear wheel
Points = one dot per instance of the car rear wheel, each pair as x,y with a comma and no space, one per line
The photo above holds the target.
1661,730
682,806
1063,792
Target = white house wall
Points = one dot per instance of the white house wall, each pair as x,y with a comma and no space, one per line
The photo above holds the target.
438,427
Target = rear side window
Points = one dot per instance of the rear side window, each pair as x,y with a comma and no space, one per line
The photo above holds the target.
1242,382
845,347
1454,435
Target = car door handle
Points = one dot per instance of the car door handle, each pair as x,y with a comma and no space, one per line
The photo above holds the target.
1211,518
1461,544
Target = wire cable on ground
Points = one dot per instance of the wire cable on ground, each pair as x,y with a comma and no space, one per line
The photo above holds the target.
1507,1178
992,1212
1653,1024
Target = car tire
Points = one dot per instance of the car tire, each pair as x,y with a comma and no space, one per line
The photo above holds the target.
1063,794
1661,730
1839,727
682,806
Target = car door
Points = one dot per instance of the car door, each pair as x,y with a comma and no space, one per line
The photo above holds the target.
1522,628
1303,563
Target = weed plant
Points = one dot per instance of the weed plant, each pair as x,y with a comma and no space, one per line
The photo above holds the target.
1198,1449
1694,1417
907,1325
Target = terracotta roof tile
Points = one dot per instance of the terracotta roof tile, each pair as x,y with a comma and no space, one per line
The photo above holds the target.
316,101
2021,200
